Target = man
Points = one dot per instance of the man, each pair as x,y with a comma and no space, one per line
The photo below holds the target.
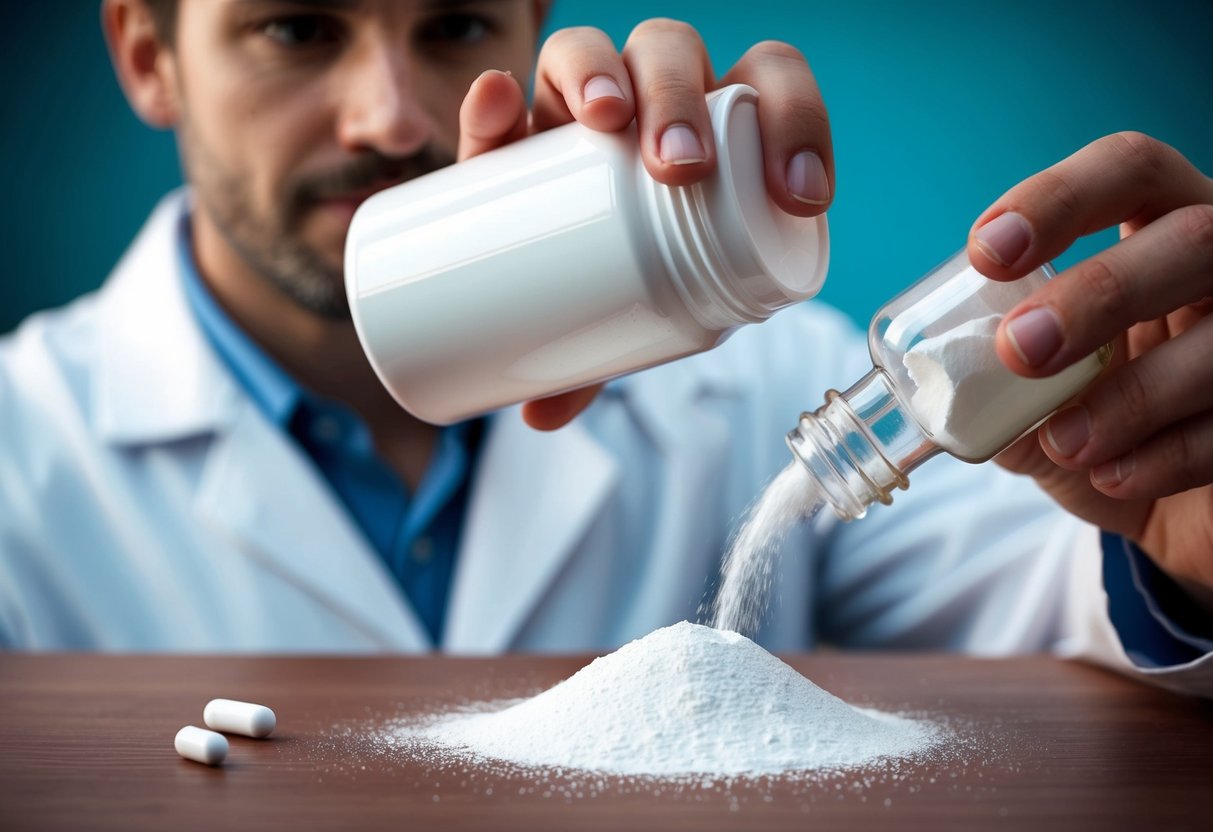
199,457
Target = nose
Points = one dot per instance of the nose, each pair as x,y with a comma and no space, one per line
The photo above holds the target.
379,109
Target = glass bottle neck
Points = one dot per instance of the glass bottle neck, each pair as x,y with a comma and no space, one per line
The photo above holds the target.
860,445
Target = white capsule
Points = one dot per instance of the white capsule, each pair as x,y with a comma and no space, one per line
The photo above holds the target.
234,717
201,745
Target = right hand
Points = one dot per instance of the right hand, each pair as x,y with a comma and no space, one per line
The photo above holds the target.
1135,455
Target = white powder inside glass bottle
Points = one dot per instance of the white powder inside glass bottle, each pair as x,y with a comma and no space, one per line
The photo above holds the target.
971,404
957,374
684,699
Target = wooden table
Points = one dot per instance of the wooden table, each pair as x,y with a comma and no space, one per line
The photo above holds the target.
86,742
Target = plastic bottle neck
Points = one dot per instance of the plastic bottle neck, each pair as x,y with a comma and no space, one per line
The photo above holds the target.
860,445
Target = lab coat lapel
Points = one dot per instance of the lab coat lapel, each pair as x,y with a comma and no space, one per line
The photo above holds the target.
260,493
534,497
692,438
157,381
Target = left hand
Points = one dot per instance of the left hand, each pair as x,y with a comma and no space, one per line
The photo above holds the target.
659,79
1134,454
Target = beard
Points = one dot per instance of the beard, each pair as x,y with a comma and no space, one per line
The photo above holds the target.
271,242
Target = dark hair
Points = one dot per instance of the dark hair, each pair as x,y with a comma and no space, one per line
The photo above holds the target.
164,15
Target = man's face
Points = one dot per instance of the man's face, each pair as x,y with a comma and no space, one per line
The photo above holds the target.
294,112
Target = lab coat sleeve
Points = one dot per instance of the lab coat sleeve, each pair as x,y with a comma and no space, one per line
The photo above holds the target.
30,573
1128,616
8,599
1159,622
976,559
969,558
10,501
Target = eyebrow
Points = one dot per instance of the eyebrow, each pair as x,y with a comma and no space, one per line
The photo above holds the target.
322,4
349,4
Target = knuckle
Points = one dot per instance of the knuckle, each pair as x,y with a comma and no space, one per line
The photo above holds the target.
776,50
1133,390
1103,288
1059,192
663,27
573,38
1179,460
1144,154
802,112
554,42
668,87
1145,159
1196,222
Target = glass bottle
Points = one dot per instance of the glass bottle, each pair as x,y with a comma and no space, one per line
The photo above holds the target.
936,385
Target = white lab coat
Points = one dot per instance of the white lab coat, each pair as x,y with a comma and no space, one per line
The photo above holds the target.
146,504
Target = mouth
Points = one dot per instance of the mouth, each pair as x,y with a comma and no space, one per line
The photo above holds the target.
342,206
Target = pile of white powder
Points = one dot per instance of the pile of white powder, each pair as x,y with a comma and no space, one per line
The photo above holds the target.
684,699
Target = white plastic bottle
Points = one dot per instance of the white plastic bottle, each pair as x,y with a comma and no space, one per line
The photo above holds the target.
557,262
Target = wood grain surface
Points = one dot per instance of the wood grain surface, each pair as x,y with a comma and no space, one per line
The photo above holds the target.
86,742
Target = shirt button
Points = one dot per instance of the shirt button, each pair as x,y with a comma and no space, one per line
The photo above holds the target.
423,550
325,429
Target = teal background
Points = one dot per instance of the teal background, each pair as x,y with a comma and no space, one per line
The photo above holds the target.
936,109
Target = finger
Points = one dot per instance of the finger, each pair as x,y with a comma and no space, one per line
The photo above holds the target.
1127,177
671,74
1176,460
1138,401
557,411
1072,489
797,151
580,75
493,114
1161,268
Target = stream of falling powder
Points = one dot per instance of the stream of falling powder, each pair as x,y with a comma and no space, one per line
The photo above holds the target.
745,577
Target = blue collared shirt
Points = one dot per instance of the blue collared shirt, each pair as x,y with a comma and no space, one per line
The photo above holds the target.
1158,623
417,535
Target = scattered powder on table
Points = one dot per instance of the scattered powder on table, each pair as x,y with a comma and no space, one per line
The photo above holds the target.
746,575
685,699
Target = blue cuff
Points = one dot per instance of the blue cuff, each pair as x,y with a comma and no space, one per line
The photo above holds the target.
1158,623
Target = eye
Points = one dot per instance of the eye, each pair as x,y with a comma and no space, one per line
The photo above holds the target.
455,29
302,30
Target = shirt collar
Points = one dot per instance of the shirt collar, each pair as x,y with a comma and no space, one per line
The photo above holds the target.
273,390
279,396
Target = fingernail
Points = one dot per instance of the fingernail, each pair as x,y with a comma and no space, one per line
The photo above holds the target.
806,176
1005,238
1035,335
1114,472
601,86
680,146
1069,430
